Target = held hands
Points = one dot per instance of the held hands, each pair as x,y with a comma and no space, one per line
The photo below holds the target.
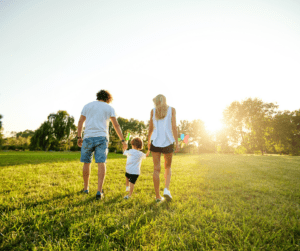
125,146
147,154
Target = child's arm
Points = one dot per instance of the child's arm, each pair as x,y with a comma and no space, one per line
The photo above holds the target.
148,152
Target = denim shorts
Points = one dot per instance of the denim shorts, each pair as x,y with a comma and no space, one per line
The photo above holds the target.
99,145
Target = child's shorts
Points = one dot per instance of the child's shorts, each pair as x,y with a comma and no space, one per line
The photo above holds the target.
99,145
132,177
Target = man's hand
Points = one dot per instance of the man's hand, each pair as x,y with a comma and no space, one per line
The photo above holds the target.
79,142
125,146
147,154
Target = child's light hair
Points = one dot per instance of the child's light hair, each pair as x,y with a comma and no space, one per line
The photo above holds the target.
161,106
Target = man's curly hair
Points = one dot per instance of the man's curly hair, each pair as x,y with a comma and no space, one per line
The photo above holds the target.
105,96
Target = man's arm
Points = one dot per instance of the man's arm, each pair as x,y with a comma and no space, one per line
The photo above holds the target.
116,125
79,133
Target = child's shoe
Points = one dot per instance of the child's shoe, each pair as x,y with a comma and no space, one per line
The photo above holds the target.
127,197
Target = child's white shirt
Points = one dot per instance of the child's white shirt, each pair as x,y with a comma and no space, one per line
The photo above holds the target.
134,161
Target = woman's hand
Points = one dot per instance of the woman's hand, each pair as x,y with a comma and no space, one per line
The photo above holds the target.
177,148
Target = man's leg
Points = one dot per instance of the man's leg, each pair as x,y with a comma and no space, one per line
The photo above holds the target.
86,157
86,170
101,175
156,172
101,151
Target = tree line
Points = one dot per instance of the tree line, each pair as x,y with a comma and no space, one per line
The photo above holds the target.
250,126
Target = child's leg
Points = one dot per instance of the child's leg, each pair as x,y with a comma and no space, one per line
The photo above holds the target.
131,188
127,182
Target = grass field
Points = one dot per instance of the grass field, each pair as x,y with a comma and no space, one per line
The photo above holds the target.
220,202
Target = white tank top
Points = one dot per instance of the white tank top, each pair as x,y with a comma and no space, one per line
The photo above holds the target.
162,135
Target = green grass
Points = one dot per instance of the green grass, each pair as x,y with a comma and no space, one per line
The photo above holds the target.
220,202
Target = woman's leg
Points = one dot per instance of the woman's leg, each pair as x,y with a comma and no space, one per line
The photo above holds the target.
168,162
156,162
127,182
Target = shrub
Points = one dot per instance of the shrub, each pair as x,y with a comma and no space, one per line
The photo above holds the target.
75,148
112,149
12,147
240,150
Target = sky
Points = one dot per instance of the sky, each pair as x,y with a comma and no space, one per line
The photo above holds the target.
202,55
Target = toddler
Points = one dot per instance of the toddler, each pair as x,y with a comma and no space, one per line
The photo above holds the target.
133,164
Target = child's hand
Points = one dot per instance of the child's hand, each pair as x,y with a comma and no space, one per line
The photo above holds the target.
147,154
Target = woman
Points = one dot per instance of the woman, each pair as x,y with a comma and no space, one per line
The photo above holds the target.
161,137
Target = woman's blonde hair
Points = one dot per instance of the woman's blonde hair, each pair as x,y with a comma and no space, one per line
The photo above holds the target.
161,106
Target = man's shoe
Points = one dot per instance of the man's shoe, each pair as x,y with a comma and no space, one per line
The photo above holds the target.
85,191
167,195
99,195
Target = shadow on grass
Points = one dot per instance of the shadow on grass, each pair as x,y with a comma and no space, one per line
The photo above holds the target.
63,222
30,205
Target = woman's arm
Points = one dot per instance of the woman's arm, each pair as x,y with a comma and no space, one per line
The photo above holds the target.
150,130
174,128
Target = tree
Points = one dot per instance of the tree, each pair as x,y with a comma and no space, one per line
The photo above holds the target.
198,134
222,141
135,127
286,132
296,133
1,135
42,138
55,133
249,123
25,134
184,128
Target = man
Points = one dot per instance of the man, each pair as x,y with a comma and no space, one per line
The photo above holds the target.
96,116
